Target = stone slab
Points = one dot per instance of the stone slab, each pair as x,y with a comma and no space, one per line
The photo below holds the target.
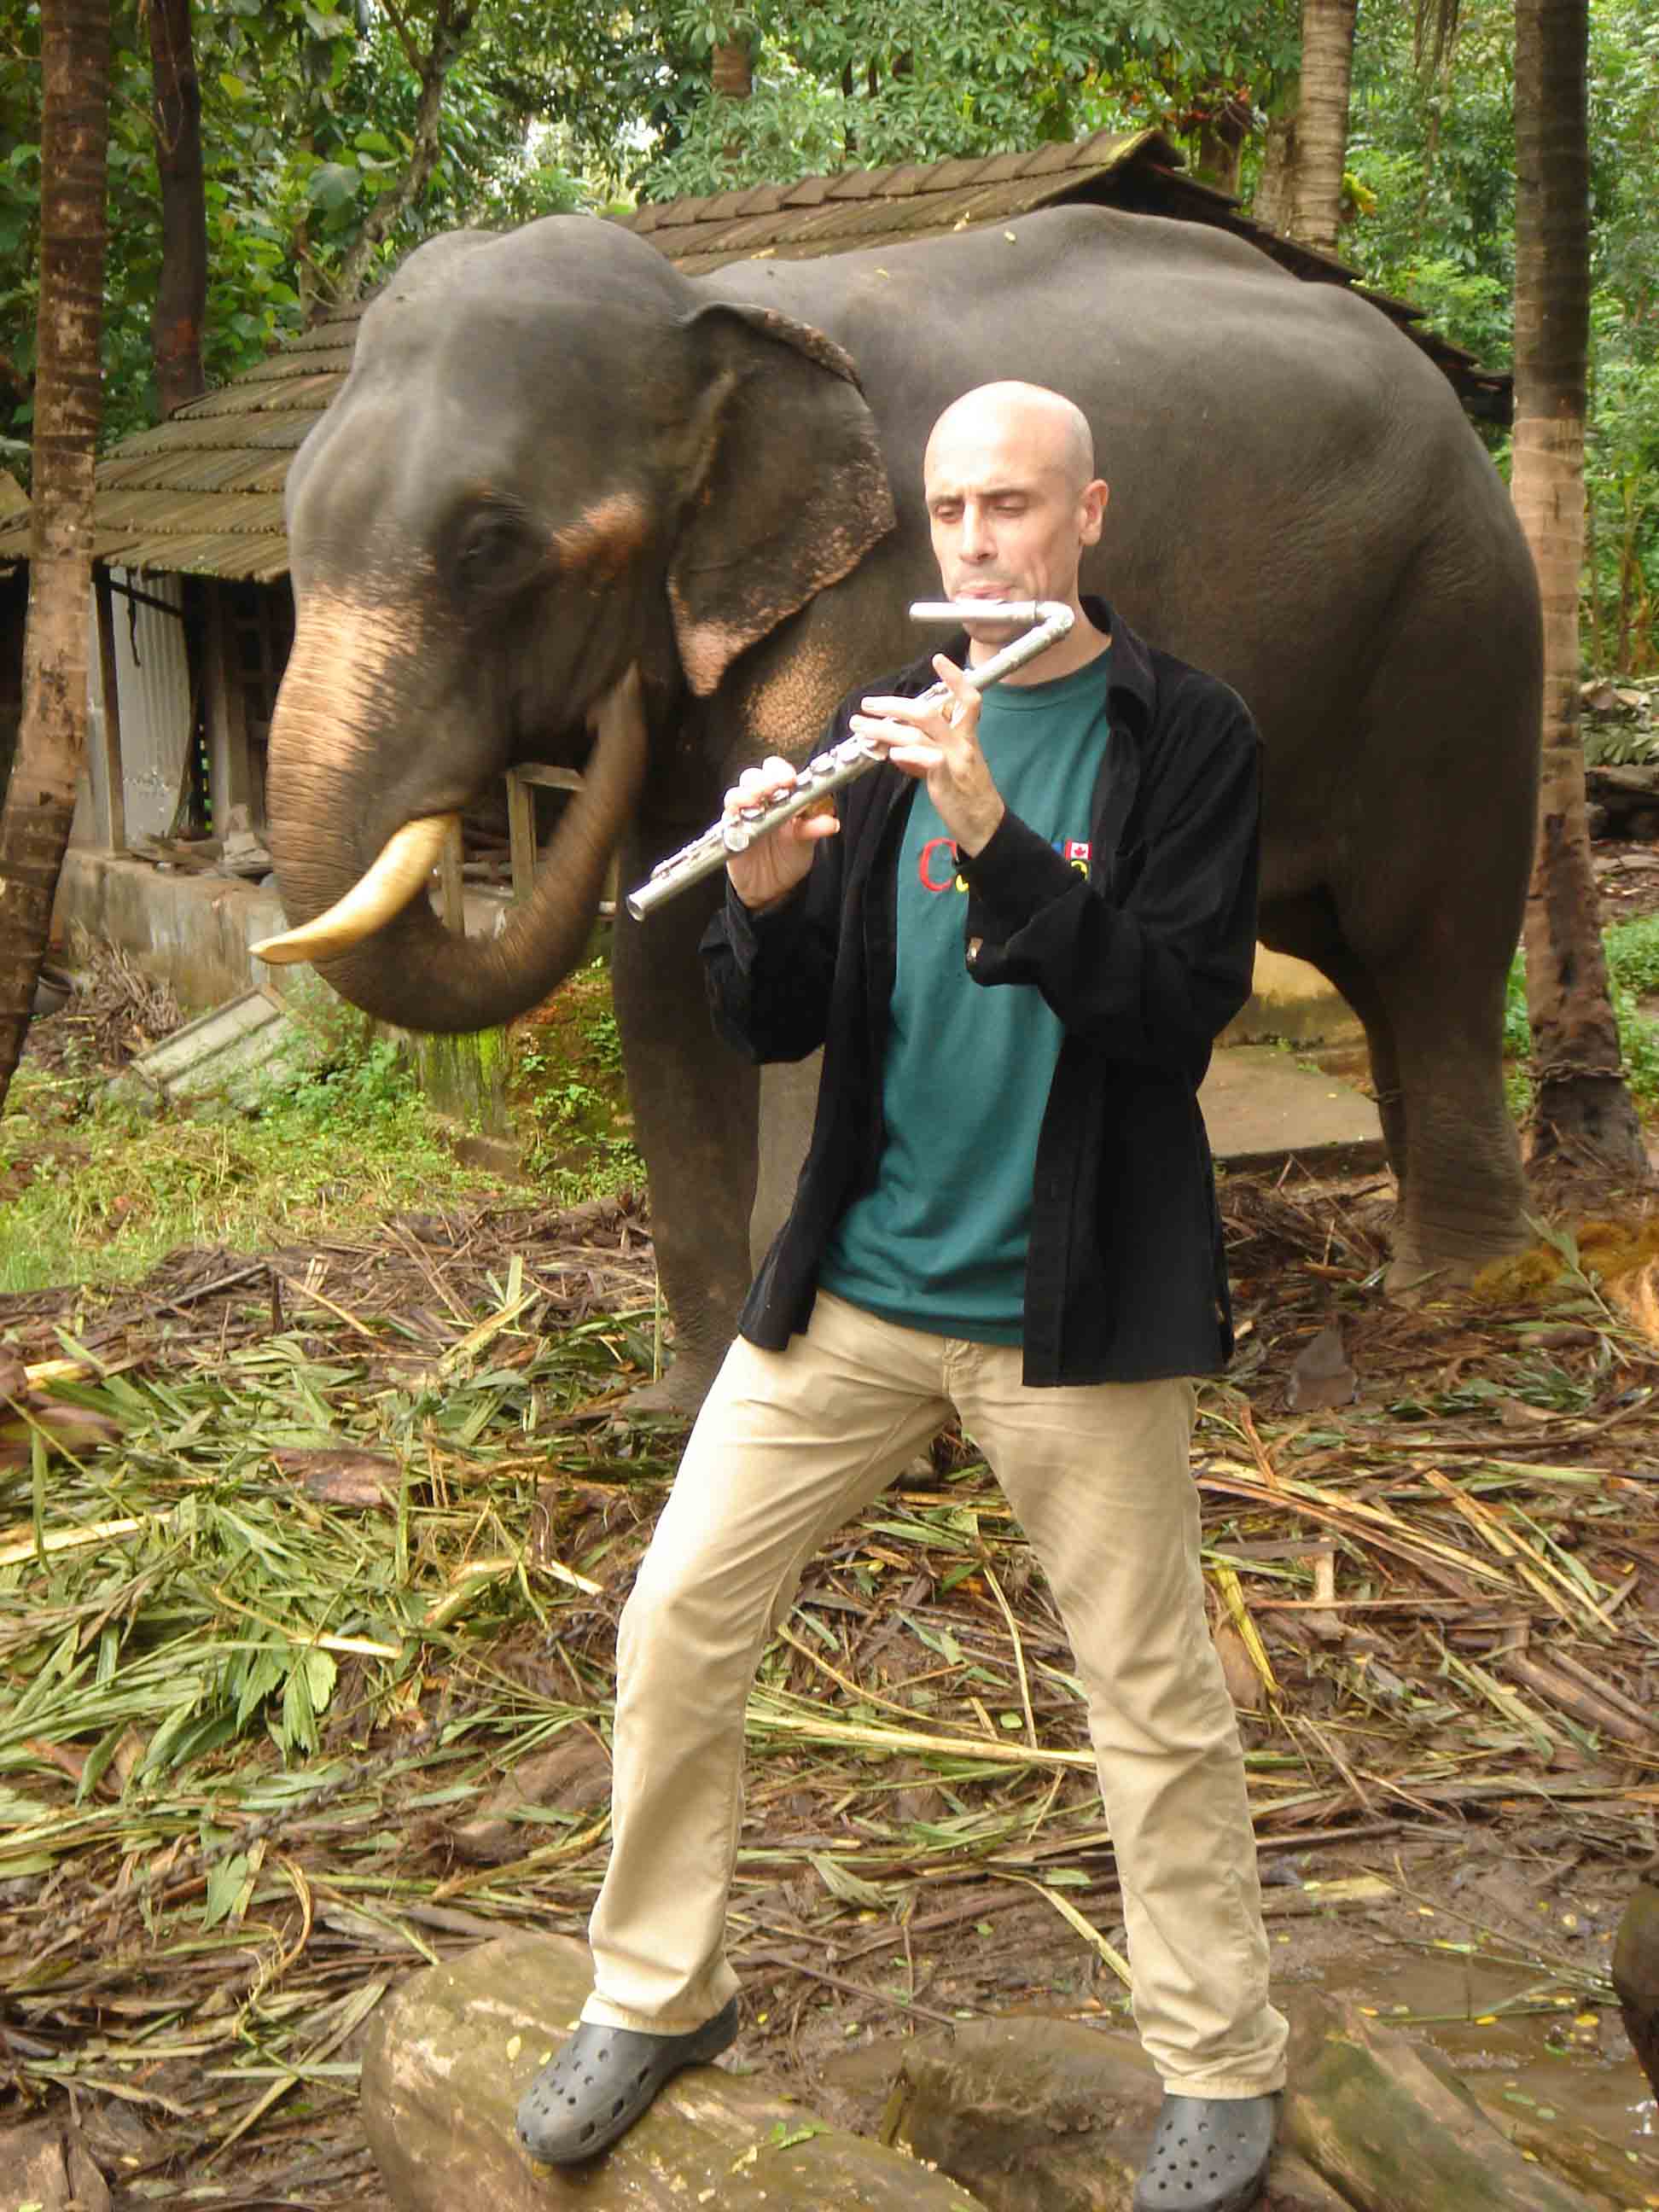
450,2052
1263,1109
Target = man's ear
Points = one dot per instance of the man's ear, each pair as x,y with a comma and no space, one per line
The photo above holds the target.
785,488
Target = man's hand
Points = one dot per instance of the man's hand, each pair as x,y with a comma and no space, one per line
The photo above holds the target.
775,864
941,744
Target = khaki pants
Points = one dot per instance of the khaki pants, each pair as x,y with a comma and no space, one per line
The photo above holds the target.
788,1445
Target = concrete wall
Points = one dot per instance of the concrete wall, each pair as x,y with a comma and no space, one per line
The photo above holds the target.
191,931
1292,1001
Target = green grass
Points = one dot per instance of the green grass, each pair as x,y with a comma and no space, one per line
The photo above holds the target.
102,1192
92,1191
569,1096
1631,949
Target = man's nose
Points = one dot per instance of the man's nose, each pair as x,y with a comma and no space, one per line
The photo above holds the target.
976,536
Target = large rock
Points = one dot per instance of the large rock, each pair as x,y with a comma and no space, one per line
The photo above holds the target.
1038,2115
1394,2131
450,2055
1022,2114
46,2165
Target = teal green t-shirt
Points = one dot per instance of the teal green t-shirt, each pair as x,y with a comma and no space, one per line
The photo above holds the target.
939,1242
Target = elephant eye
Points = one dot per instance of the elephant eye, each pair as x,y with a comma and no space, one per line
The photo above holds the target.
495,551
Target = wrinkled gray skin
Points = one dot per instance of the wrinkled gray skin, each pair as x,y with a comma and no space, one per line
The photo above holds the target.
555,458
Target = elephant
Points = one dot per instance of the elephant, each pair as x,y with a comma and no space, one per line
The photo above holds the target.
572,506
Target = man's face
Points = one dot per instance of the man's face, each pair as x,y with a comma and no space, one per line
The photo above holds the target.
1008,516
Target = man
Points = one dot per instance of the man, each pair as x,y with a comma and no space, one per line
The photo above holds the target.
1016,948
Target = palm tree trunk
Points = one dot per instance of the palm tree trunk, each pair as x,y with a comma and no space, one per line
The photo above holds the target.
34,826
733,73
1581,1106
1321,125
175,323
1275,185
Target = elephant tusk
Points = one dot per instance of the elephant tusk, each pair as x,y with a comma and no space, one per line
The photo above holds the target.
403,866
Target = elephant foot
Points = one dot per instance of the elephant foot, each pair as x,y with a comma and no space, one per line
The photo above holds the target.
1408,1282
1424,1266
675,1396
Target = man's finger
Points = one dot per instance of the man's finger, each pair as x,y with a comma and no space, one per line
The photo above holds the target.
900,710
954,679
757,785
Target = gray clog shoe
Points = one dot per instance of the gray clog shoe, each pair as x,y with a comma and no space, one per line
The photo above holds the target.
596,2086
1208,2154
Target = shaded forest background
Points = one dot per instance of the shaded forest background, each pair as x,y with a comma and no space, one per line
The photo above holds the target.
336,138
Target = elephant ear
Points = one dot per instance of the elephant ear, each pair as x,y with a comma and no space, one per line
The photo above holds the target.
788,488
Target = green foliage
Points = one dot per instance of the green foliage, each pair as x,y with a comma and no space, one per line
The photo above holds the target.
307,125
1435,154
1632,950
871,83
1633,954
101,1191
875,83
310,118
570,1100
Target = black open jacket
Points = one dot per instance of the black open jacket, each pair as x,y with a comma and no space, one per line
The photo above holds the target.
1145,961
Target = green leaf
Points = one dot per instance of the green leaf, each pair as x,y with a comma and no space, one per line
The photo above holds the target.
224,1883
321,1674
841,1881
331,185
233,87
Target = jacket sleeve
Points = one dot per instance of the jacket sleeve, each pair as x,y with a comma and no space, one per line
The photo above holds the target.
1154,958
769,975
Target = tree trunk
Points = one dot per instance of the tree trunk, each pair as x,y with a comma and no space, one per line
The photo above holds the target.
449,35
175,323
733,70
39,803
1271,205
1321,127
1218,141
1580,1106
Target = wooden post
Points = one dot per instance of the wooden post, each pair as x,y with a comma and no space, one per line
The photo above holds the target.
449,877
520,834
114,823
521,785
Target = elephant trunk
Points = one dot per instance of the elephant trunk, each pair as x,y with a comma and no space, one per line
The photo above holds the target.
327,751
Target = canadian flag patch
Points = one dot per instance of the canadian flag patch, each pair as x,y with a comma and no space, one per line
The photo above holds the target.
1076,848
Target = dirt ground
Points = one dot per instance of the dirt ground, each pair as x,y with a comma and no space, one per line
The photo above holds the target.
1434,1563
1451,1848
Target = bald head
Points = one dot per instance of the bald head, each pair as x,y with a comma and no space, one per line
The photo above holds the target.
1013,502
1041,427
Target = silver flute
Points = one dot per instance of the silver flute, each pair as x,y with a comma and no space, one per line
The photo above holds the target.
854,757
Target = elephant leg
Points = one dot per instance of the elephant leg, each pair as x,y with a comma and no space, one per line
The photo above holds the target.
1435,1032
1463,1204
693,1102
